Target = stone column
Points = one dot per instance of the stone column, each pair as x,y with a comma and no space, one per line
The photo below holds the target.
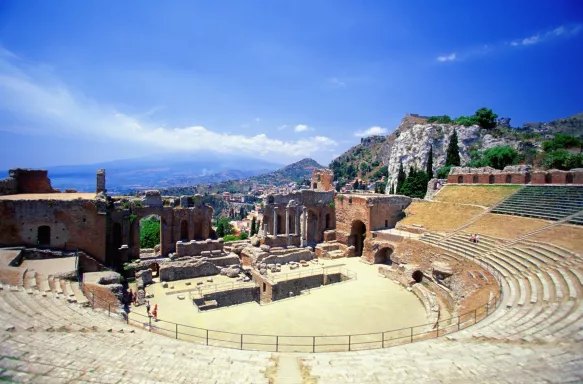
287,221
265,230
274,222
287,226
305,227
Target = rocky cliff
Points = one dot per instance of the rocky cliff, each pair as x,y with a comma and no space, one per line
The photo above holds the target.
410,144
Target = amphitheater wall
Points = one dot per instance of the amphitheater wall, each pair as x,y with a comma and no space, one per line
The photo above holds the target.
233,296
58,224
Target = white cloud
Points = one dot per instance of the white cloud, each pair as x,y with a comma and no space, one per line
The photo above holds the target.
337,82
282,127
560,31
372,131
531,40
257,119
563,31
450,57
301,128
46,105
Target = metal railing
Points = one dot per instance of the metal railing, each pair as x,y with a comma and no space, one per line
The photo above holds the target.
202,290
299,343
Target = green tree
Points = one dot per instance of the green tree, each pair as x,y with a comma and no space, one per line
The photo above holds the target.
149,232
501,156
253,224
224,227
356,185
486,118
430,162
443,172
401,177
453,151
415,184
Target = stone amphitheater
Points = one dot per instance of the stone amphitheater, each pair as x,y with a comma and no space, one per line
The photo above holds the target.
51,333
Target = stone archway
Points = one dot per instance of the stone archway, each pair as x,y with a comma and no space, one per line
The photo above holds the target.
357,236
383,256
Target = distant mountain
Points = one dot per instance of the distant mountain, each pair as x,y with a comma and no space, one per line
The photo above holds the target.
296,172
160,171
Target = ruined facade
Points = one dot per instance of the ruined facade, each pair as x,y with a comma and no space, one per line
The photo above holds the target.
322,180
33,214
358,215
298,218
513,175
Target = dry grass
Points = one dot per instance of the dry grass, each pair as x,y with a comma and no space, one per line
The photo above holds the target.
568,236
439,217
485,195
505,226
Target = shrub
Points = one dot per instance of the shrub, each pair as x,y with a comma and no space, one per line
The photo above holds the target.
149,233
443,172
445,119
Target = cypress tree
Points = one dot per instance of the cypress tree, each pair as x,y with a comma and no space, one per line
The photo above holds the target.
401,176
430,162
453,152
253,223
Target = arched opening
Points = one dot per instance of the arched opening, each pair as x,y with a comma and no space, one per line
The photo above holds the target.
315,185
116,236
43,236
548,178
527,178
184,230
475,179
460,179
569,178
417,276
150,235
508,179
357,235
328,223
491,179
383,256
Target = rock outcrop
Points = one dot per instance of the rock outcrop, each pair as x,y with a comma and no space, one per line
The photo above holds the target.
410,145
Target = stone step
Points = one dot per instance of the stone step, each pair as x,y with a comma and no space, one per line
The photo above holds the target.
79,296
43,283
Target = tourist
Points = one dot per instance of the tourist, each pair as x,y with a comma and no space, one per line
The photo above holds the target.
473,239
135,298
148,307
477,238
155,312
130,296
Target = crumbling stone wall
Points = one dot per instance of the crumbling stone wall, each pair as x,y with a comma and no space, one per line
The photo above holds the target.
26,181
196,248
180,270
322,180
375,212
74,224
513,174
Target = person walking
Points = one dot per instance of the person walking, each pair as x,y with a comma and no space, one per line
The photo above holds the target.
148,307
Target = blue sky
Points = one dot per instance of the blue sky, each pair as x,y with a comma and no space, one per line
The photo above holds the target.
90,81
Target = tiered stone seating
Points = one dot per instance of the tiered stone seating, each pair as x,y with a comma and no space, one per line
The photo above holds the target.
49,340
546,202
542,285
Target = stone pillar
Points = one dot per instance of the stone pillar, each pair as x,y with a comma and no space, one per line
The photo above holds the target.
100,185
274,222
305,227
287,221
265,230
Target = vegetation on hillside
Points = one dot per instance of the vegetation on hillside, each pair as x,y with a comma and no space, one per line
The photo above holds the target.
483,117
362,161
563,152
